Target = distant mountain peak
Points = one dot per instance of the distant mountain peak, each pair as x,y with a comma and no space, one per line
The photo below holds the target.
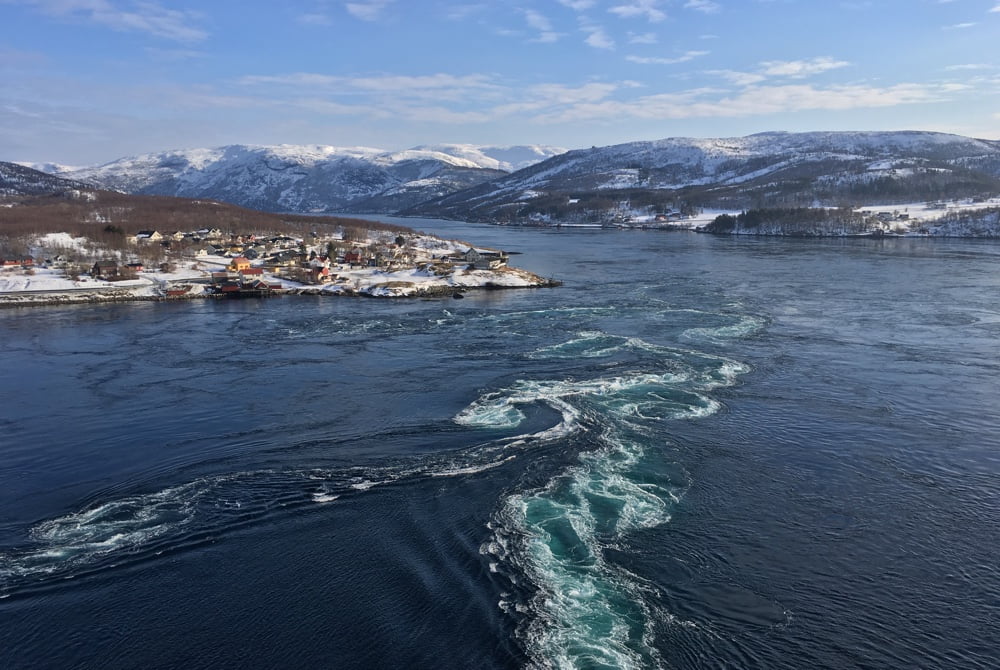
312,177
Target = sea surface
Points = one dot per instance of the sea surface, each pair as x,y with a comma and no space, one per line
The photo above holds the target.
699,452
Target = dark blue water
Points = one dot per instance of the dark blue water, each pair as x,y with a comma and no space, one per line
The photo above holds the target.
699,452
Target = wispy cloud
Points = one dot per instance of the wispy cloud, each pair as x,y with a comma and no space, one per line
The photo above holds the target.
371,10
640,8
706,6
550,98
960,26
739,78
970,66
444,85
541,23
801,68
480,98
995,9
577,5
597,37
462,12
753,101
687,56
642,38
315,19
796,69
144,17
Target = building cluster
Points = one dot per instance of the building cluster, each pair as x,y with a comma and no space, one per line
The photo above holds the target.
24,262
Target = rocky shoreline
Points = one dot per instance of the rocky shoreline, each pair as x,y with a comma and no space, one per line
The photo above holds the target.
388,290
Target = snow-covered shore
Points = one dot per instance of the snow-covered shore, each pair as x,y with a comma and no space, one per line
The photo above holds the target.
45,286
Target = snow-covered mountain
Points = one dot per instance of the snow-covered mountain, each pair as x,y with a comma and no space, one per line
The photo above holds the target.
311,178
508,159
16,179
778,168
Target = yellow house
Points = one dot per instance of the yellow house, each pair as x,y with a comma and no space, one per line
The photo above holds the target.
239,264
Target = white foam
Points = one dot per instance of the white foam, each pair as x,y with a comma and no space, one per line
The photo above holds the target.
586,612
745,326
491,411
470,469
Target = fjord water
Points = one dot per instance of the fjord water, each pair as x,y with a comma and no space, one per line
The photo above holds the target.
699,452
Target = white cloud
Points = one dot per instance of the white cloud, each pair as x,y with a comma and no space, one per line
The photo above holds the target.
960,26
687,56
548,98
643,38
597,38
639,8
798,69
706,6
537,21
971,66
995,9
371,10
541,23
146,17
753,101
441,86
738,78
577,5
801,68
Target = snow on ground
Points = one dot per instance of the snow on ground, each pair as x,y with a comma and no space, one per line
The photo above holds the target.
18,286
60,241
929,211
419,280
44,279
48,285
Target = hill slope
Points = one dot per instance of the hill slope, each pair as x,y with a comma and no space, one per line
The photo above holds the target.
311,178
20,180
771,168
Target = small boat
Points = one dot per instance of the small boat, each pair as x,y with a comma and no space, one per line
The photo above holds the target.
457,295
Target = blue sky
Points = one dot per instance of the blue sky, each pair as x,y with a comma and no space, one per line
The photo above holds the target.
88,81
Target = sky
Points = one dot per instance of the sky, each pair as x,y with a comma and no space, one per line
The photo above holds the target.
84,82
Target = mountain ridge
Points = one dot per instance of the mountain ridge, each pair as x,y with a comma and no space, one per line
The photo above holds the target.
780,168
310,178
460,181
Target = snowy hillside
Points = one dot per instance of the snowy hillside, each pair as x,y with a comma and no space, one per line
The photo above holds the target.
311,178
787,168
16,179
508,159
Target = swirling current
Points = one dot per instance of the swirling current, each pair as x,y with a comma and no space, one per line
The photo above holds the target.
687,465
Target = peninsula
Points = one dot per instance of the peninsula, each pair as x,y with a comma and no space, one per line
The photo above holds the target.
82,246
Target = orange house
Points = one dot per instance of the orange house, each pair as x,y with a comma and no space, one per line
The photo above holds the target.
239,264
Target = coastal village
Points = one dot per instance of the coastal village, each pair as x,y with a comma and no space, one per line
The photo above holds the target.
209,263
